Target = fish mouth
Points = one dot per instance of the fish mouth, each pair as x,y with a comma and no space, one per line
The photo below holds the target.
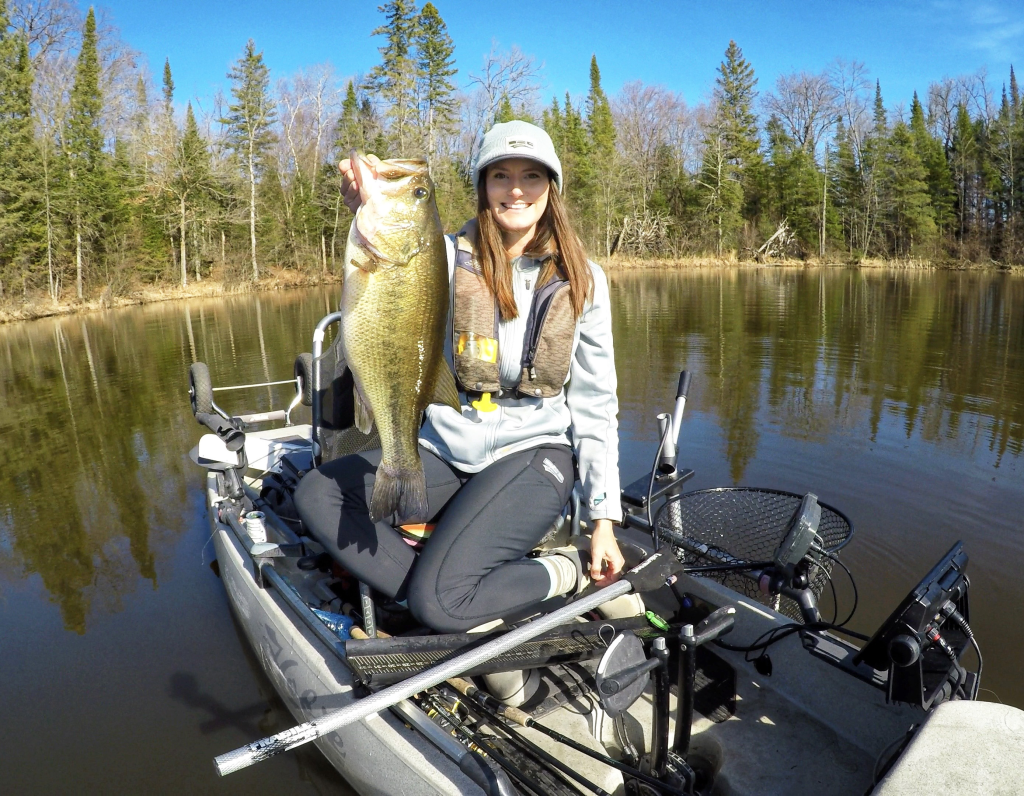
364,242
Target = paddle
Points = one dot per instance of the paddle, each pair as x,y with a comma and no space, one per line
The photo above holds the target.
654,571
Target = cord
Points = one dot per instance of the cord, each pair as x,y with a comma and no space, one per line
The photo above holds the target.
650,487
902,742
958,618
777,634
853,583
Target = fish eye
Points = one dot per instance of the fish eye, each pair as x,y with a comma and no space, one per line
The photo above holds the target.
420,193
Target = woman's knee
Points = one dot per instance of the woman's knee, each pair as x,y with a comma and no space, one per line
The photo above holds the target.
430,607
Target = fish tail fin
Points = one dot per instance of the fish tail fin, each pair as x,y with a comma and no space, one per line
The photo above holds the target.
402,492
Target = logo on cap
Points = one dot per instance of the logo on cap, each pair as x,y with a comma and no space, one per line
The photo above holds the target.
517,143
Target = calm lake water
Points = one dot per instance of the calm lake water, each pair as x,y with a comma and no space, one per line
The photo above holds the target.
897,397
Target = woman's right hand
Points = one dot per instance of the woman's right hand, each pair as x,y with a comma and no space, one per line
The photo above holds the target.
350,183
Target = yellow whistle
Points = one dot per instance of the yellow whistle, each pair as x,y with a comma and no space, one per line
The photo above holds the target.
484,403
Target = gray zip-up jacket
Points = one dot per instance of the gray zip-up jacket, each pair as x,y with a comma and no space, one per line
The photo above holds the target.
584,415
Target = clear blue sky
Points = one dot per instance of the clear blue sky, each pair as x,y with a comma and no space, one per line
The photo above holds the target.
675,43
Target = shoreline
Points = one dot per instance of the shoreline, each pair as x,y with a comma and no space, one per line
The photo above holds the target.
285,279
42,307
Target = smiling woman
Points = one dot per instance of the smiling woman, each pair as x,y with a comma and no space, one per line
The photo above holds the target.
517,195
532,352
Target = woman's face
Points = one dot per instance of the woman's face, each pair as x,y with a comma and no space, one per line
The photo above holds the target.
517,195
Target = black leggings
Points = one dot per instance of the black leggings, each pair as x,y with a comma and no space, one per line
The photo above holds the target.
472,569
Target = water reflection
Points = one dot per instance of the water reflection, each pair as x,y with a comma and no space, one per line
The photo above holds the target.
896,396
94,422
817,353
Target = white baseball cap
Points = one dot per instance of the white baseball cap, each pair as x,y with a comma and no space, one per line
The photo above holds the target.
517,139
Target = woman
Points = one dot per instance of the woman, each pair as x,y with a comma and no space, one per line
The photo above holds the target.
499,473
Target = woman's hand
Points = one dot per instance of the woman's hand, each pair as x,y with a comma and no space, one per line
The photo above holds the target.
350,183
606,559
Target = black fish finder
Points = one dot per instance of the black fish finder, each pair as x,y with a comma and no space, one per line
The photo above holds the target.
922,641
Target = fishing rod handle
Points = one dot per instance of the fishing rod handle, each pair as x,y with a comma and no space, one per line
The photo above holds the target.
677,412
360,709
258,751
684,384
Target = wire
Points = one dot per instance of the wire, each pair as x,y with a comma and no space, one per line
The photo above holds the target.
902,742
650,486
853,583
958,618
777,634
835,599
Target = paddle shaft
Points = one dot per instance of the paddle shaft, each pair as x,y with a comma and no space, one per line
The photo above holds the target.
317,728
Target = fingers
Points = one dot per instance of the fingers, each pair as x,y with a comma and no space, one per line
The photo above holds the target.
606,562
350,181
349,185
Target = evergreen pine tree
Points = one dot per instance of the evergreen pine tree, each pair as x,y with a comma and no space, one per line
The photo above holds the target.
436,62
168,88
735,128
603,159
350,133
872,171
83,149
909,216
577,168
394,78
505,113
933,158
190,179
963,162
249,122
735,93
794,185
19,193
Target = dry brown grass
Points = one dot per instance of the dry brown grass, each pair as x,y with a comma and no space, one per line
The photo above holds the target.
41,306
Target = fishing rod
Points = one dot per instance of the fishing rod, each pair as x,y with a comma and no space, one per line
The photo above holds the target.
449,714
541,756
657,570
499,710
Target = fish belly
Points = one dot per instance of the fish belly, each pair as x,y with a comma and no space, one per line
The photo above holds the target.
393,337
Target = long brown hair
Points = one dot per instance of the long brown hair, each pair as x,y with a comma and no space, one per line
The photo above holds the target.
554,236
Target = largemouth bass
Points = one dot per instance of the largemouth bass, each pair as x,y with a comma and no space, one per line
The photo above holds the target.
395,304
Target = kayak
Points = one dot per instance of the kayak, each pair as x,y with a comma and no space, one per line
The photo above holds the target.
725,679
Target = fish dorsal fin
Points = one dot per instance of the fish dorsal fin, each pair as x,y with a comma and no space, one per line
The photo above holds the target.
363,413
445,391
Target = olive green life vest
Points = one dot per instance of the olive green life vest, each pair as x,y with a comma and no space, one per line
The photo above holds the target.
547,343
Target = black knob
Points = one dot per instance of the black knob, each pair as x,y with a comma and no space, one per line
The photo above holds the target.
904,650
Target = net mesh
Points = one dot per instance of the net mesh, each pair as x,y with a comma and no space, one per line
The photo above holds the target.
732,525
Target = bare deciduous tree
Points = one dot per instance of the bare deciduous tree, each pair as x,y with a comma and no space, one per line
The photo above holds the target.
643,116
806,104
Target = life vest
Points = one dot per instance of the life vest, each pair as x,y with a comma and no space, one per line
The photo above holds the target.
547,343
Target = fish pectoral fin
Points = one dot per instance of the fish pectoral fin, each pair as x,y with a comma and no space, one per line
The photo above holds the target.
445,391
363,413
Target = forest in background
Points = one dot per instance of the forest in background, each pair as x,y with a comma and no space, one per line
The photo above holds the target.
108,183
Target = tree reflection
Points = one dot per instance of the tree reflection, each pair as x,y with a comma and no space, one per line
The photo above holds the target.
815,351
96,485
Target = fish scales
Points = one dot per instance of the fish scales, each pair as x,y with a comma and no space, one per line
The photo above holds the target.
394,307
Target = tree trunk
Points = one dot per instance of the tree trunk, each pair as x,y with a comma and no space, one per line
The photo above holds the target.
78,258
184,265
252,212
824,208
